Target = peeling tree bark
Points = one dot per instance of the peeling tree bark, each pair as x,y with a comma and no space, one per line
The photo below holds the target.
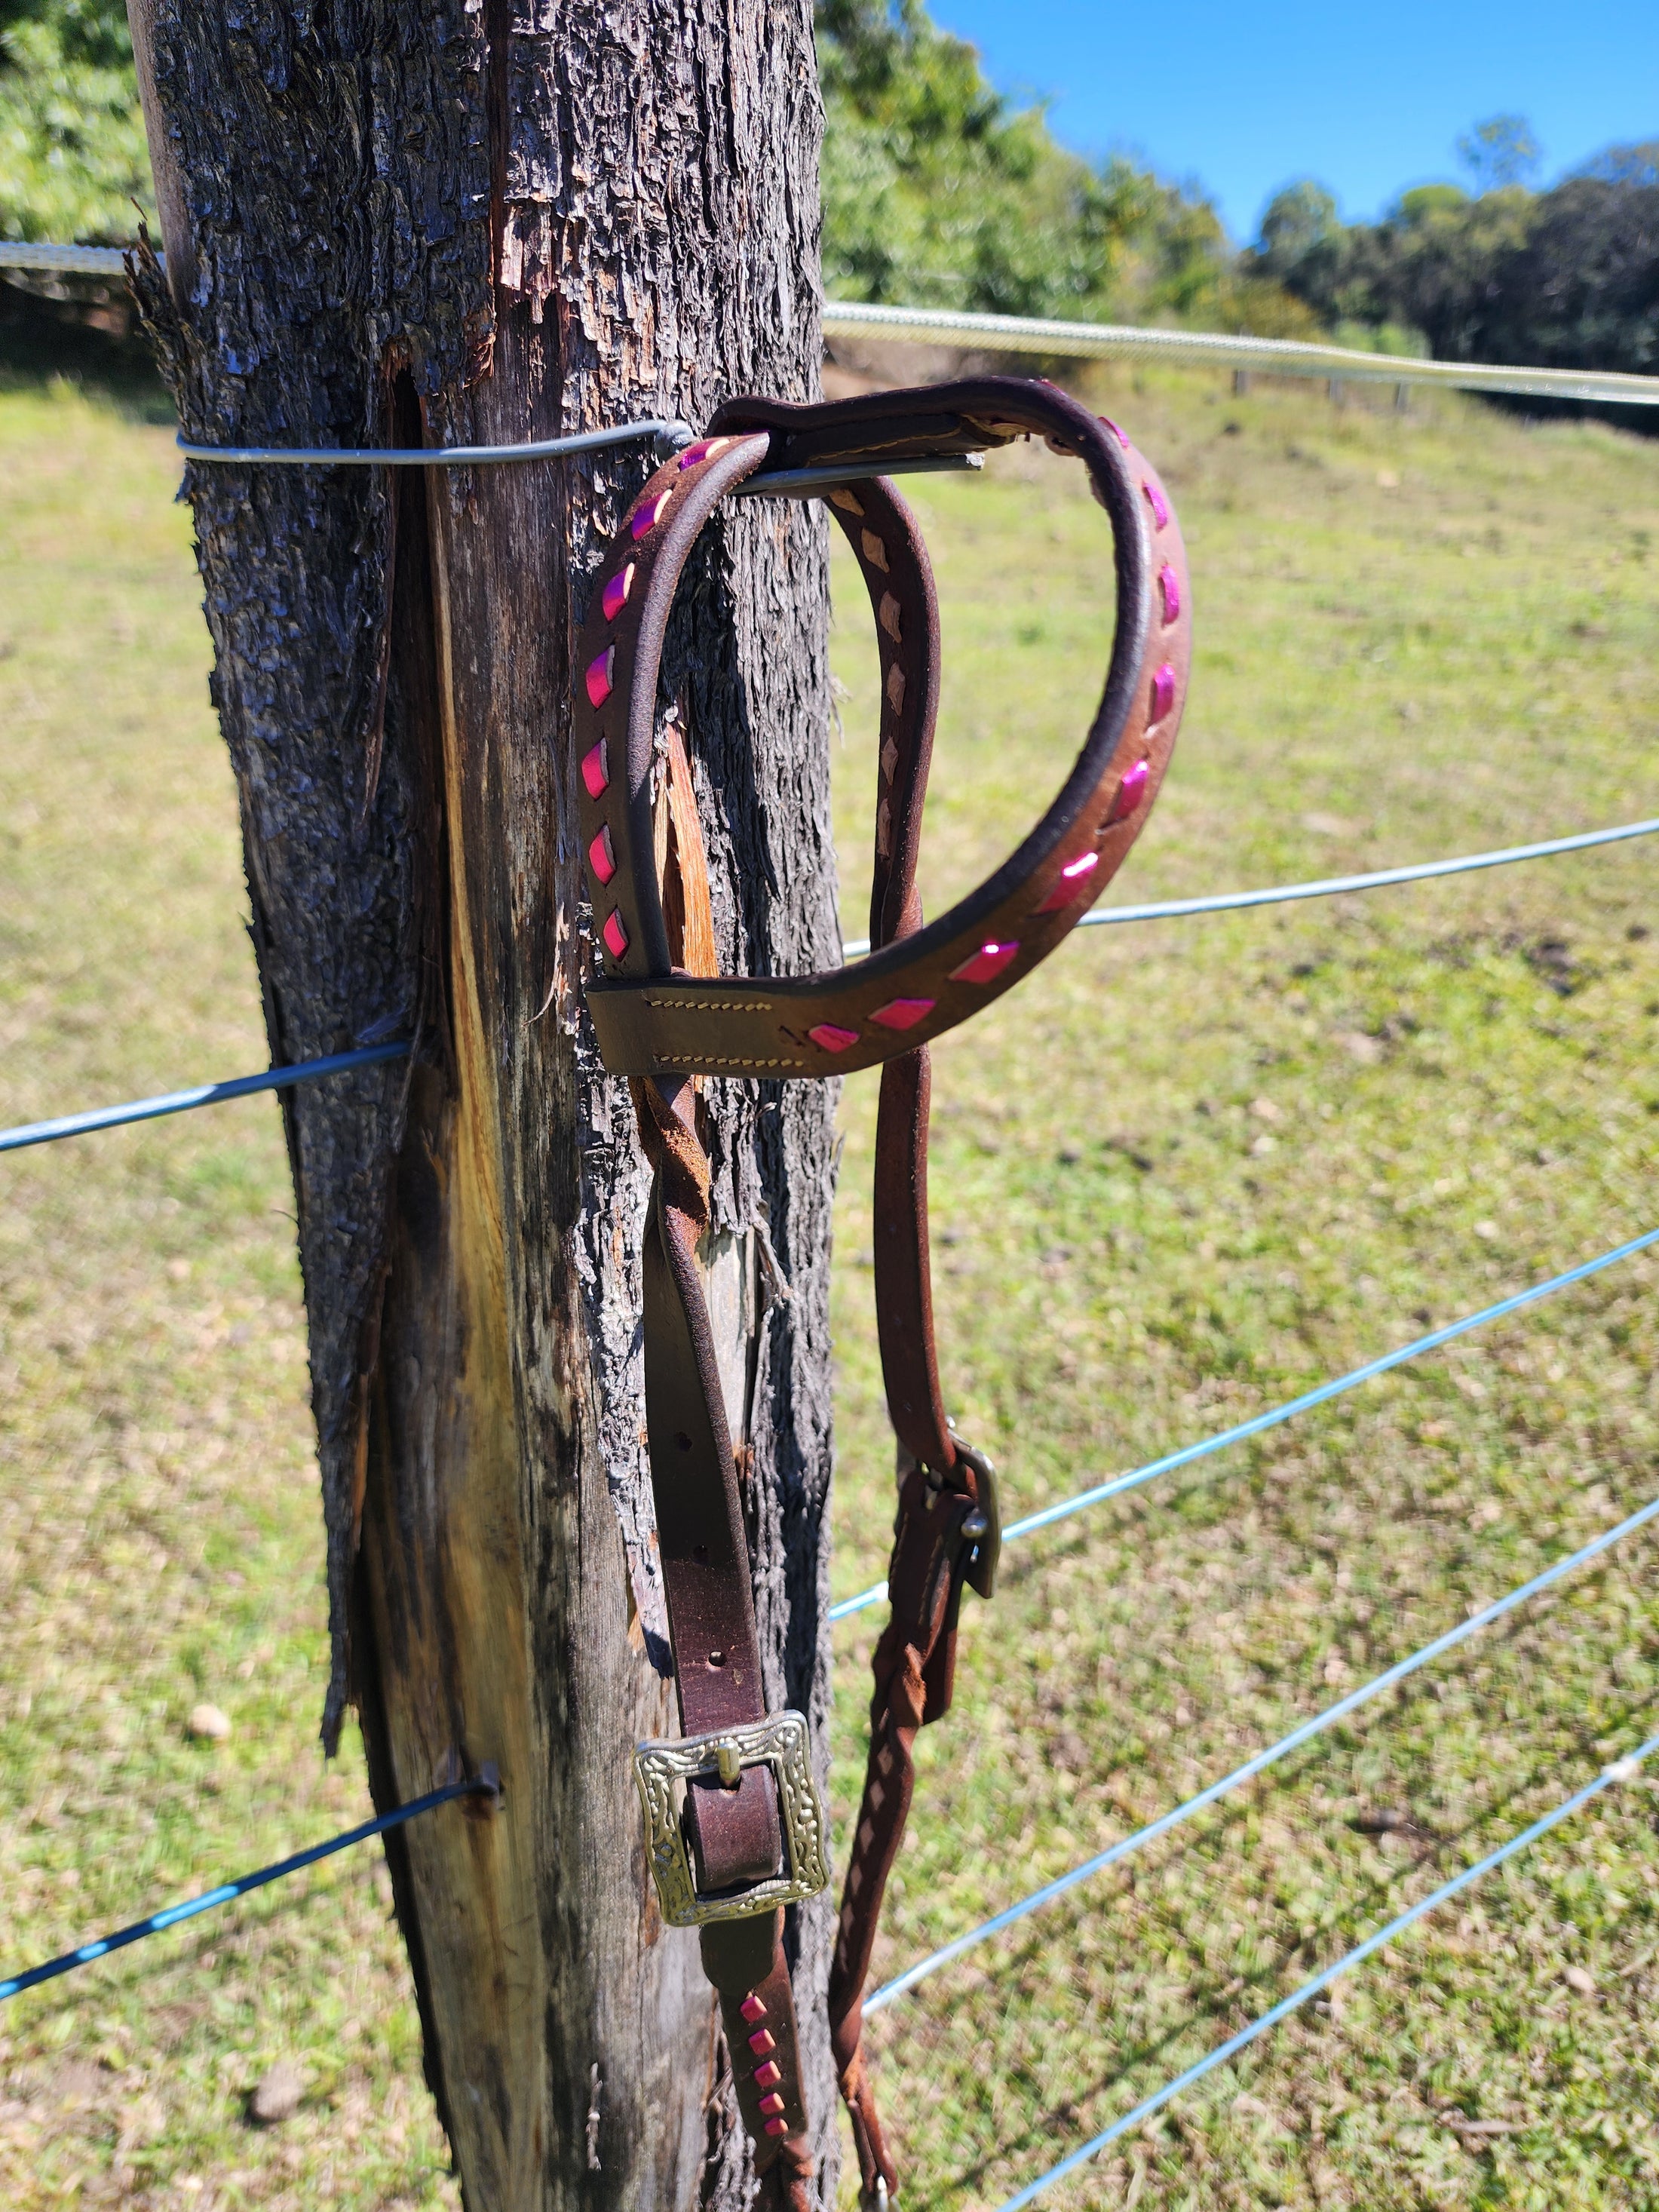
465,225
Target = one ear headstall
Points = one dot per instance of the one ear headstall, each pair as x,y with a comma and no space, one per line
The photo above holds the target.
649,1020
745,1836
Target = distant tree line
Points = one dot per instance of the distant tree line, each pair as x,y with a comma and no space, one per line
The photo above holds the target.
938,190
1567,278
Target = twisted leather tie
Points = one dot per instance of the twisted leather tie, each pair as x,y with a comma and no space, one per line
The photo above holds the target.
750,1818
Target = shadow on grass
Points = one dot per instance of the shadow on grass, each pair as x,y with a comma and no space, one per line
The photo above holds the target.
228,1931
43,338
1369,1895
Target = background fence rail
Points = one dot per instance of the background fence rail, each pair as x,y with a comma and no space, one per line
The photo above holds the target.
1030,334
1068,341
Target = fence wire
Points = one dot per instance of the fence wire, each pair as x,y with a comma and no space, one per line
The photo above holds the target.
108,261
1068,341
670,434
180,1102
901,1984
1624,1770
208,1094
1416,871
485,1783
1050,1514
1419,871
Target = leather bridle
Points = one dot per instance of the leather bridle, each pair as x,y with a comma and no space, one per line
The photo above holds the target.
751,1837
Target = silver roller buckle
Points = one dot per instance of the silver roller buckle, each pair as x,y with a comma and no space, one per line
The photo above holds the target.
779,1741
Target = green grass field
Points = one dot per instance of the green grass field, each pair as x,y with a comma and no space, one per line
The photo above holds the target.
1190,1169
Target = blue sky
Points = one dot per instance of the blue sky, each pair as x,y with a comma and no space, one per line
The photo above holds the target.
1368,99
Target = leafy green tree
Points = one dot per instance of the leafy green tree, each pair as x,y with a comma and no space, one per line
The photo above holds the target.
938,191
1500,152
1303,245
72,154
1579,288
1428,265
1435,264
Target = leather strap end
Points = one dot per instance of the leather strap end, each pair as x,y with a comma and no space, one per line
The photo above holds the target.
744,1960
939,1676
875,2162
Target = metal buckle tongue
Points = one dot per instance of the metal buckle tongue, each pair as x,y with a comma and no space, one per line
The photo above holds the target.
779,1741
981,1529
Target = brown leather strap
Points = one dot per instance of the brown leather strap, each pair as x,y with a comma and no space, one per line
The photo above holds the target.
940,1495
659,1024
735,1833
899,579
940,1491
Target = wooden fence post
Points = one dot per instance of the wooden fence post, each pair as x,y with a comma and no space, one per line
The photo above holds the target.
462,224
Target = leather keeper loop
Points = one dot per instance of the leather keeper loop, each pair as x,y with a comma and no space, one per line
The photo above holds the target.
649,1020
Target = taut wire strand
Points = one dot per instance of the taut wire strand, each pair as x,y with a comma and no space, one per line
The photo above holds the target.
1329,886
1218,349
178,1102
64,260
1092,341
1136,1476
484,1783
1177,1815
673,434
1624,1770
1055,338
208,1094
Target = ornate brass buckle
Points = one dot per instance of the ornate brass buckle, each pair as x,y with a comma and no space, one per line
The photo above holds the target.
779,1741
